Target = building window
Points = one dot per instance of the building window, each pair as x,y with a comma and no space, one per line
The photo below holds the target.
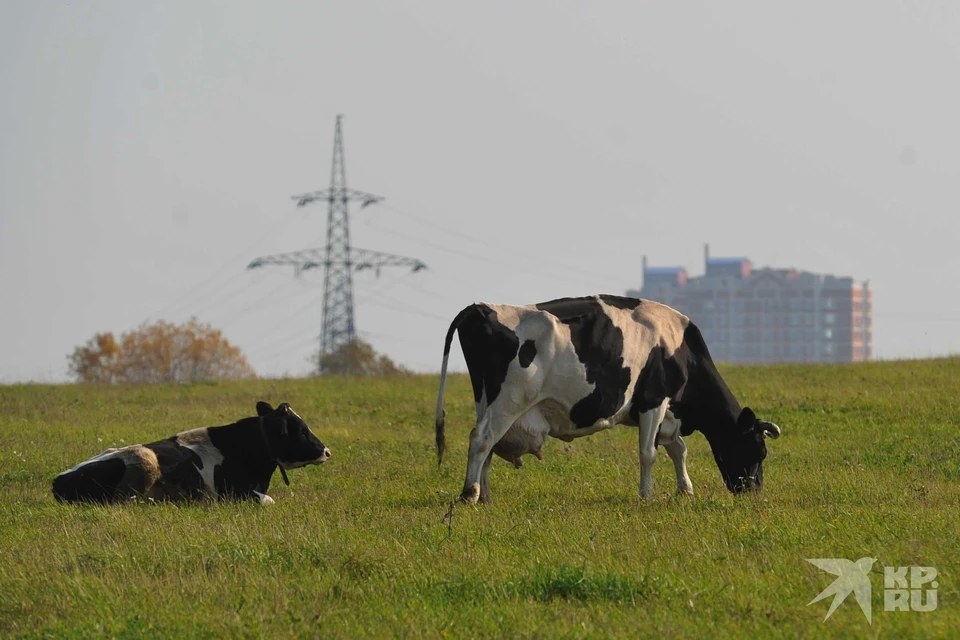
828,303
828,333
829,318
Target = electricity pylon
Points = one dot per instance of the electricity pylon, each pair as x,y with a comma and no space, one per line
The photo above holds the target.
339,260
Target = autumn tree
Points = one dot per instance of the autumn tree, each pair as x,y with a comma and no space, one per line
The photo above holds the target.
160,352
96,361
358,358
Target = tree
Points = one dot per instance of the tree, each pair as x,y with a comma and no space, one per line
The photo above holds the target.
96,361
160,352
358,358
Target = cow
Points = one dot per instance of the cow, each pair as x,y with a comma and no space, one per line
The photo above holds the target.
232,462
571,367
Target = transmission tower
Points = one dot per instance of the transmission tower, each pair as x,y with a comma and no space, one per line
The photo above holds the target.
339,260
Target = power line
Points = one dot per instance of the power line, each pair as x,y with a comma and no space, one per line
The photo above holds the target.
397,305
382,285
430,223
509,262
203,288
487,245
218,297
339,259
255,303
282,356
284,347
286,319
274,341
394,338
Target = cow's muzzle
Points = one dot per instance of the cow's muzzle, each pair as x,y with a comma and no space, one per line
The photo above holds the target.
746,484
326,455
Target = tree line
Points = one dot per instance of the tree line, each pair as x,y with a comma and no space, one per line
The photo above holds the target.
194,351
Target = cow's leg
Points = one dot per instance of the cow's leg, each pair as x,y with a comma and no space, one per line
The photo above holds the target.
471,487
490,428
677,450
649,423
573,434
485,479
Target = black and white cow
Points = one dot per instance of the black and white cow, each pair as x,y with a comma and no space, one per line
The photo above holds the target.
235,461
575,366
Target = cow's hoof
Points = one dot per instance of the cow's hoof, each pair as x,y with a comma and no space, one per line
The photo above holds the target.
685,492
262,498
470,494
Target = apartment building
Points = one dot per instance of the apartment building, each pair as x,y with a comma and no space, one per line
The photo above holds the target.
764,315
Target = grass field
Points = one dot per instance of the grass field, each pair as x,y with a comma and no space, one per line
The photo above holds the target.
868,465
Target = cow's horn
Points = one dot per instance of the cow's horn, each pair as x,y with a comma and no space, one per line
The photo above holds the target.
771,430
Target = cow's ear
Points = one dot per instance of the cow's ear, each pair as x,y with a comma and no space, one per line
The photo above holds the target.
284,407
747,419
264,408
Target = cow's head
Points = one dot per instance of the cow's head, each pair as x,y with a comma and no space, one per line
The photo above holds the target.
291,442
741,457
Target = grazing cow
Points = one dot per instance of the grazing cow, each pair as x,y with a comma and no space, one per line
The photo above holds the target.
231,462
575,366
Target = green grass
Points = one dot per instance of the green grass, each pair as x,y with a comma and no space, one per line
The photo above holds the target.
869,465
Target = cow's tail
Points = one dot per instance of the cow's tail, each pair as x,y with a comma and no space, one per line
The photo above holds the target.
96,481
441,438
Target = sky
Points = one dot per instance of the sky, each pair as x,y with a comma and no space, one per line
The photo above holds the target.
525,151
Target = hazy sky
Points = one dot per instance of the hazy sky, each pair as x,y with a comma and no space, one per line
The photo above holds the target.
526,150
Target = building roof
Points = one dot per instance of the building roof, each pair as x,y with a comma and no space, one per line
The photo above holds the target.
663,271
726,260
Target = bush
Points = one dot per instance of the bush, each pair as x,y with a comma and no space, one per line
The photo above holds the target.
358,358
160,352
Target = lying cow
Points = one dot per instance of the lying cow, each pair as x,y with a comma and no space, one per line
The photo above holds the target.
231,462
575,366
